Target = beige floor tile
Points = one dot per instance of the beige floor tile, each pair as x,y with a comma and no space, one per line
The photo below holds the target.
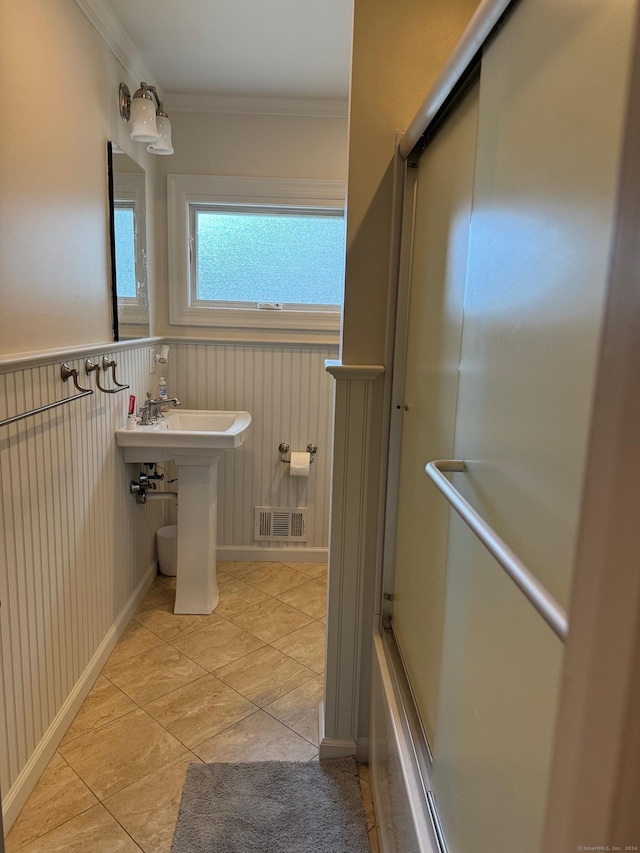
92,831
200,710
310,598
217,644
59,796
169,625
121,752
274,578
237,569
136,759
236,596
104,703
299,710
367,801
373,840
270,619
257,738
318,571
148,809
306,645
159,593
265,675
135,639
154,673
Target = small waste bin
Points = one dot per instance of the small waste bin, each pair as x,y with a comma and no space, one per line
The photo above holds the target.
168,550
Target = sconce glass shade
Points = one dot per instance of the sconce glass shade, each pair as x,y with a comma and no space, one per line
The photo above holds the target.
163,144
143,119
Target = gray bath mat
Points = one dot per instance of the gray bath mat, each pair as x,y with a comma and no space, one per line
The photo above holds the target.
272,807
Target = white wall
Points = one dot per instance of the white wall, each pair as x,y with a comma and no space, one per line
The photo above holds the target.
59,84
290,397
74,548
398,50
277,146
65,585
75,551
279,380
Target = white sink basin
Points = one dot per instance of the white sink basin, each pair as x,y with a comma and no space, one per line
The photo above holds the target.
185,433
195,439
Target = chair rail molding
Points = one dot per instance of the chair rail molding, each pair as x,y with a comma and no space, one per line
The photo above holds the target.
348,617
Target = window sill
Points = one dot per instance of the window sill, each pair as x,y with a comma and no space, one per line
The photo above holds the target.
314,328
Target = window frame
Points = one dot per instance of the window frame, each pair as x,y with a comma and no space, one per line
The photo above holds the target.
186,191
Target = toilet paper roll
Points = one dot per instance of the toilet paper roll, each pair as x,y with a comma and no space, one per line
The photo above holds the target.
300,463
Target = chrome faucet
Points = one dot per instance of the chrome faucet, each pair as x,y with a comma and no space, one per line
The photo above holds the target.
152,409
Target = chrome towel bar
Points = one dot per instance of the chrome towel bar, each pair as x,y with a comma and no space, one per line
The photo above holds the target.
532,589
66,372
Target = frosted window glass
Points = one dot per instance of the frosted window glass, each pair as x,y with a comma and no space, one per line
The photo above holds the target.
125,241
269,257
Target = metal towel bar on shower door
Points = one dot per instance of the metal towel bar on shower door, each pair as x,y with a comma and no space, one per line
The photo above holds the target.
532,589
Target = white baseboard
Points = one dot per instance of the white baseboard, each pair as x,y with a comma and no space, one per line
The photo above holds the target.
25,783
362,749
332,747
282,554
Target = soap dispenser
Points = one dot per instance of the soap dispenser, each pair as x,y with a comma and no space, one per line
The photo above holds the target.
162,389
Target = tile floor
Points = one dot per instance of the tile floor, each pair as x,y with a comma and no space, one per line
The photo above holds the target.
242,684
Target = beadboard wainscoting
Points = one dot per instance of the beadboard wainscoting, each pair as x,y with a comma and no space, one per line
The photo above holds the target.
290,398
76,552
351,579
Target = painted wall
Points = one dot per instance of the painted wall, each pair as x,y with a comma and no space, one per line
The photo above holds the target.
59,83
284,386
66,585
398,51
74,549
277,146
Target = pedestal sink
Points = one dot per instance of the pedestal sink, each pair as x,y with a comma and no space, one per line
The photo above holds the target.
194,439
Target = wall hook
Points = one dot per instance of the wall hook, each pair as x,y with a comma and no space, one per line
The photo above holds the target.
110,363
67,372
90,368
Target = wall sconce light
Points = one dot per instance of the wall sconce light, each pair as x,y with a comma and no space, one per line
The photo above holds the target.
149,121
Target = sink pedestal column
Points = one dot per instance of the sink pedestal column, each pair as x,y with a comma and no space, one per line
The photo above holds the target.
196,586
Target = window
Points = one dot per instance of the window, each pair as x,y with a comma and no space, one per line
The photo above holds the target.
129,233
248,253
125,242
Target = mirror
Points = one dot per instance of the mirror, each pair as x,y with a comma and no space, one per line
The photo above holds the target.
128,233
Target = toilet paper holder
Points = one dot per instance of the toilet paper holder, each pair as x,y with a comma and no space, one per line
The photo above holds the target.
284,448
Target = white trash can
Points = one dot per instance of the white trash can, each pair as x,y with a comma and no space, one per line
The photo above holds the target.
168,550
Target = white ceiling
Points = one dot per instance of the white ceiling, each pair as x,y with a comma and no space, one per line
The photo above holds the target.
243,48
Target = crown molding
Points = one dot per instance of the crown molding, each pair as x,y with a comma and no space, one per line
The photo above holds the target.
114,35
258,105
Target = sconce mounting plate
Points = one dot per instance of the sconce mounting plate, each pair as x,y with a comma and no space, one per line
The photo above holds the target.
124,101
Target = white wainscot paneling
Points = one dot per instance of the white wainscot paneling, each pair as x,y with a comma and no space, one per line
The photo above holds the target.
76,553
290,398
